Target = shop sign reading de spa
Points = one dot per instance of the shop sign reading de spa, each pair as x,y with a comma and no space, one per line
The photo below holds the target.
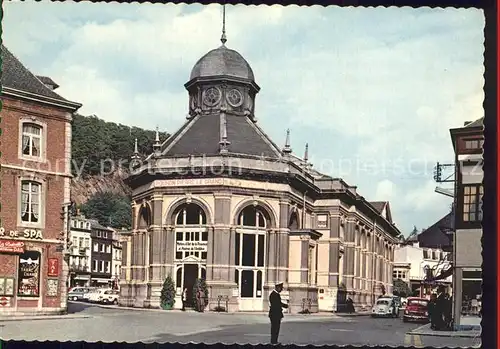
32,234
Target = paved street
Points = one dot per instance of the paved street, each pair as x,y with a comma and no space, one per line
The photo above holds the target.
114,324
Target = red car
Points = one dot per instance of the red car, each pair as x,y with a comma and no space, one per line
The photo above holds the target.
416,310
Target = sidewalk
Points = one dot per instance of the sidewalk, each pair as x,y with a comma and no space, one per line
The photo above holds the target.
261,313
4,318
467,331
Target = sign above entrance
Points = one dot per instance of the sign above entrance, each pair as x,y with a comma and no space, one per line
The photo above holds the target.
192,246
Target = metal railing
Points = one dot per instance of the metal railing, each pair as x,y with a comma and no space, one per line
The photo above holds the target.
306,305
222,300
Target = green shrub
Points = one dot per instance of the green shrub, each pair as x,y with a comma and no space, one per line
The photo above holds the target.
167,297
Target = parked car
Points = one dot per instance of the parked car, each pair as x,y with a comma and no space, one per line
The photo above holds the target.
109,297
384,307
86,295
416,310
97,295
76,293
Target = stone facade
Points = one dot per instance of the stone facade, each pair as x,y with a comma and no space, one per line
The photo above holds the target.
219,200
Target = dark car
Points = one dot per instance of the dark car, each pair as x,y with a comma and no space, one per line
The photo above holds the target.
416,310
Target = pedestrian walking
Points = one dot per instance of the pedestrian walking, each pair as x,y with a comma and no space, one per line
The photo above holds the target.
184,299
431,309
276,311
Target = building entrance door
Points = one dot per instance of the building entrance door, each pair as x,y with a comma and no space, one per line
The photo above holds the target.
190,276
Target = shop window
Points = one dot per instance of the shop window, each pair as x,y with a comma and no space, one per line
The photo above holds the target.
29,274
30,201
203,273
472,207
32,140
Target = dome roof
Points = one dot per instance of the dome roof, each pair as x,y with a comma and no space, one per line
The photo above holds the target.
222,61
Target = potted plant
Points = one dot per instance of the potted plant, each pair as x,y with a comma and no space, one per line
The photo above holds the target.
167,297
200,289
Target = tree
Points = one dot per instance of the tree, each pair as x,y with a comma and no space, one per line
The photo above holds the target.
401,288
109,209
167,296
200,284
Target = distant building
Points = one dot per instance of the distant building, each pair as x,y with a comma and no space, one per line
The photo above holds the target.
36,178
467,259
102,251
423,259
80,252
116,259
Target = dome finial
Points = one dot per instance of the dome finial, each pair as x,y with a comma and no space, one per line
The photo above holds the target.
223,38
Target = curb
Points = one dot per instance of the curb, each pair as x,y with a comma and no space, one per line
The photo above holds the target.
43,317
456,334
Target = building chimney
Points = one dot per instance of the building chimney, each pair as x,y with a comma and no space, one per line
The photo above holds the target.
48,82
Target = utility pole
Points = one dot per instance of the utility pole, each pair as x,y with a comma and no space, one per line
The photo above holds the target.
65,251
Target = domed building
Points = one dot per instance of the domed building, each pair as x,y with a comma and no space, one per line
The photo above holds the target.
220,201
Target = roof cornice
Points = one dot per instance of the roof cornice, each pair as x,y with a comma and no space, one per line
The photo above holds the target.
11,92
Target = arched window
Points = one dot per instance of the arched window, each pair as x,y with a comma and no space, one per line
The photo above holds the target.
190,214
144,217
191,232
250,251
294,221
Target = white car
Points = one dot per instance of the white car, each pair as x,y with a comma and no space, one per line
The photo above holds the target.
109,297
97,295
385,306
86,295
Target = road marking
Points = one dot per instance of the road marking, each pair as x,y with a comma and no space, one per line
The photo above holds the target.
408,340
340,330
197,332
417,340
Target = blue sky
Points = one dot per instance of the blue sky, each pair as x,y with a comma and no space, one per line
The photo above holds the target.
374,91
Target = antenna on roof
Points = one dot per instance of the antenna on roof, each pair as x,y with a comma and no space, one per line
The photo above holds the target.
223,38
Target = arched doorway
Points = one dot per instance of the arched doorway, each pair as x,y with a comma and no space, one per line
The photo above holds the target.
250,257
191,240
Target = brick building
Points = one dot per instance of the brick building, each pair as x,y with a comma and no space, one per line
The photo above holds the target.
35,177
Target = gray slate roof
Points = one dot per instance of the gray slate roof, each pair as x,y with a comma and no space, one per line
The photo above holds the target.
16,76
478,123
435,236
222,61
201,136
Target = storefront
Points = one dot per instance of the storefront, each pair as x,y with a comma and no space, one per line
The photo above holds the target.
29,273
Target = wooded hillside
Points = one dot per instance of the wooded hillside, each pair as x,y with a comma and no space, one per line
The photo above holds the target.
101,154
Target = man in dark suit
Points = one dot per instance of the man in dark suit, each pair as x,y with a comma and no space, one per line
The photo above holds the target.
276,311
